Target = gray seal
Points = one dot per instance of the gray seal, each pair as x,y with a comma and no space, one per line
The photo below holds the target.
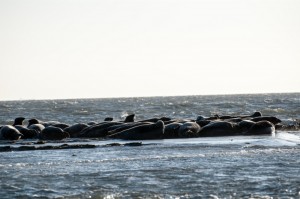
121,127
48,123
27,133
97,130
143,132
261,128
219,129
189,130
53,133
164,119
255,114
129,118
171,130
245,125
75,129
272,119
18,121
9,132
37,127
33,121
108,119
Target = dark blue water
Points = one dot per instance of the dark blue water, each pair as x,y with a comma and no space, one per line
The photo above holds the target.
220,167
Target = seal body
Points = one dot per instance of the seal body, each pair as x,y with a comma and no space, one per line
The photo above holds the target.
9,132
53,133
203,123
97,130
48,123
164,119
245,125
121,127
171,130
261,128
74,130
219,129
37,127
27,133
188,130
143,132
272,119
33,121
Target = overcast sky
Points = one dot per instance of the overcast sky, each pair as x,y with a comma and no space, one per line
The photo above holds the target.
51,49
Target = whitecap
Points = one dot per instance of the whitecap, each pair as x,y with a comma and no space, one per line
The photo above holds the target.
288,137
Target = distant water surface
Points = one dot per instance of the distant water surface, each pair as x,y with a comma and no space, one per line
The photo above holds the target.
220,167
85,110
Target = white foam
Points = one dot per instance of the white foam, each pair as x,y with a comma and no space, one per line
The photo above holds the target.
282,135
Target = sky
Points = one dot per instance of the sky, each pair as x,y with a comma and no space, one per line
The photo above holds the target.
58,49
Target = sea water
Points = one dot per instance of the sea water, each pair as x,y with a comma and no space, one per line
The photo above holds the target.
218,167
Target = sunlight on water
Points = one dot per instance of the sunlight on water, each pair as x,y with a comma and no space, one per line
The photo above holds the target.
216,167
288,136
223,167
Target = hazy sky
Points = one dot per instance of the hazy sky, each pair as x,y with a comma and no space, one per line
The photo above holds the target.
53,49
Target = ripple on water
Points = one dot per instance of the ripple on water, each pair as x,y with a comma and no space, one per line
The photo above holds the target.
176,171
239,167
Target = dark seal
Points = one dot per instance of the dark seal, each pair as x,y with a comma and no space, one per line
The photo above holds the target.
219,129
9,132
53,133
189,130
143,132
261,128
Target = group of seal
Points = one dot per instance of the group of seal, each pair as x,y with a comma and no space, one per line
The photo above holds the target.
152,128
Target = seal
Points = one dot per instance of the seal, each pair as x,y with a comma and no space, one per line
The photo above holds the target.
143,132
121,127
97,130
203,123
129,118
37,127
261,128
27,133
154,120
189,130
171,130
53,133
46,124
33,121
219,128
255,114
234,120
272,119
75,129
9,132
108,119
245,125
288,125
18,121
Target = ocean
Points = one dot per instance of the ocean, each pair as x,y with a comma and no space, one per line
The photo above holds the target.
216,167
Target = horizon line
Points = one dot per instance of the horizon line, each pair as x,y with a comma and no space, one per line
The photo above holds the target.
124,97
